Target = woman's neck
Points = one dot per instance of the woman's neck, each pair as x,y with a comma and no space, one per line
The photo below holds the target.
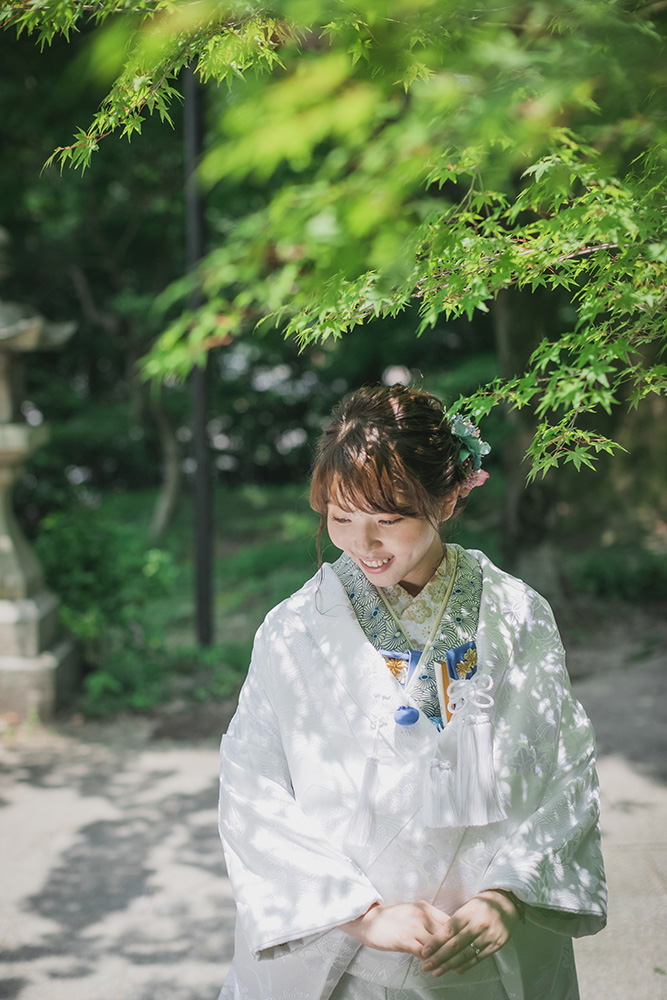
415,584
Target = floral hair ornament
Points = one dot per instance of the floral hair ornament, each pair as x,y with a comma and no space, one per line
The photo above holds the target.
472,451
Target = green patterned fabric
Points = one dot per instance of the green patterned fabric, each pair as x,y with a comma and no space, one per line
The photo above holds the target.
458,626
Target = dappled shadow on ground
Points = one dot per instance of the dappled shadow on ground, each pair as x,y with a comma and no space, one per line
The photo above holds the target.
132,874
10,988
632,723
620,676
190,722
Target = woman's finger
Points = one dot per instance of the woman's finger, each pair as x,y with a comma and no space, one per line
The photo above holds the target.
455,952
478,929
473,956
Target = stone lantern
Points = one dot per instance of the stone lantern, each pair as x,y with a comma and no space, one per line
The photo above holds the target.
38,664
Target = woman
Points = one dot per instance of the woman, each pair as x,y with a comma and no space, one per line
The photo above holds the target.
409,805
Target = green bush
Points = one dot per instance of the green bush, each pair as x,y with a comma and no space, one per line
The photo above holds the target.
626,572
106,578
131,679
219,669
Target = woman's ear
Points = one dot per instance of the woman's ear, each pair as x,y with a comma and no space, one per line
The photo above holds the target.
449,504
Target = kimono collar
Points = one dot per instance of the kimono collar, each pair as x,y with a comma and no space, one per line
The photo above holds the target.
460,786
354,663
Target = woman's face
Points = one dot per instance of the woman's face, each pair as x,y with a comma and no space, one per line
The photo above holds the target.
388,548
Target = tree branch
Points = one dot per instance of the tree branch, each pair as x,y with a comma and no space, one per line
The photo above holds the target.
657,7
107,321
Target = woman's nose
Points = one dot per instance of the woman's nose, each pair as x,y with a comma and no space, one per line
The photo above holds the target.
368,538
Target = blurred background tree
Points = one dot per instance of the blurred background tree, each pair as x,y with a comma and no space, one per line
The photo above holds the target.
490,178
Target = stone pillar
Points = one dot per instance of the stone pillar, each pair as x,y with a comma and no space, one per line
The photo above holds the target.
38,663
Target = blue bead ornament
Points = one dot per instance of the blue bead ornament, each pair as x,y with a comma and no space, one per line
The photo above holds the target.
406,715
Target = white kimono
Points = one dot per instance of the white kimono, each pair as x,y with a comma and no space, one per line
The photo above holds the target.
318,702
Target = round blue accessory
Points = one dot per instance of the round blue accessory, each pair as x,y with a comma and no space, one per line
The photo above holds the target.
406,715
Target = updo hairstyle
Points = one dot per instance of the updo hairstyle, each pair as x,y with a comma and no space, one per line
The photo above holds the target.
388,449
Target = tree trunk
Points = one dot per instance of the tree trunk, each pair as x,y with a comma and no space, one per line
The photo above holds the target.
520,323
172,474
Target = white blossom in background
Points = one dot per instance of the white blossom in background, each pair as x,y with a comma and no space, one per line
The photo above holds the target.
226,463
396,373
269,378
78,474
290,440
32,415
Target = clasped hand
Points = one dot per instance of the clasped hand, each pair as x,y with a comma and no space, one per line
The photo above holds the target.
444,944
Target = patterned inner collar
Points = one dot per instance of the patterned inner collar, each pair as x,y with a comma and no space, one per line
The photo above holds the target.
407,605
458,627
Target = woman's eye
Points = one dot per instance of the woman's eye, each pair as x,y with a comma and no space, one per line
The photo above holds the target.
395,520
340,520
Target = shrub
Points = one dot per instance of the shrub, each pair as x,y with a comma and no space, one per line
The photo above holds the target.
105,578
628,572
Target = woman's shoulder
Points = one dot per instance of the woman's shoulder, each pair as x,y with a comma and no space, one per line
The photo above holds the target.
315,594
503,589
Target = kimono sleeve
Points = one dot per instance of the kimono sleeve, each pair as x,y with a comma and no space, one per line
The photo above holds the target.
289,881
551,857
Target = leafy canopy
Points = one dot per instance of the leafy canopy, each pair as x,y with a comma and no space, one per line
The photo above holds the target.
429,152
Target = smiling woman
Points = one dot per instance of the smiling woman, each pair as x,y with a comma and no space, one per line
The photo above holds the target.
382,829
389,452
388,549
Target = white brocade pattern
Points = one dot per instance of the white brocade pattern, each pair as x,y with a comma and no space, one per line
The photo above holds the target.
453,988
318,701
351,988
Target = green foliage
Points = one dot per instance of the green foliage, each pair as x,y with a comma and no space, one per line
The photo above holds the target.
131,680
102,572
423,153
226,666
93,446
106,579
630,573
158,40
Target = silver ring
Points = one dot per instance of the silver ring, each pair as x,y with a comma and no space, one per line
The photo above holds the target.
476,950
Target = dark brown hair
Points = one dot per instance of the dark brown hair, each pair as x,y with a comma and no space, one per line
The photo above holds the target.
388,449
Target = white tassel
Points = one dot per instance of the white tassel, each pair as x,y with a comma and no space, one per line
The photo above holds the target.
477,794
439,805
361,824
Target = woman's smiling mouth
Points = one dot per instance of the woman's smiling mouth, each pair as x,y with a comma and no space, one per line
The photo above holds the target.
375,565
